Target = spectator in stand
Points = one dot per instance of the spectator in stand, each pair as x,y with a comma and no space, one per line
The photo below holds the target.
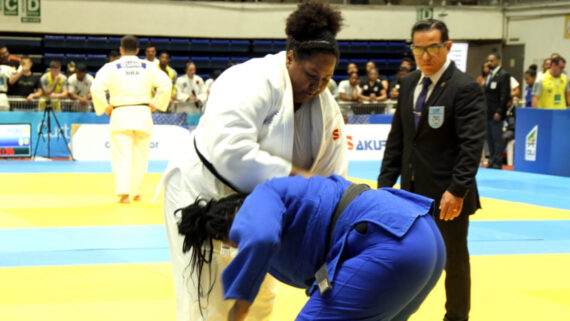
210,81
333,88
114,55
7,59
79,86
71,69
545,67
150,53
351,68
24,83
406,67
53,87
482,78
373,90
364,79
349,89
163,60
213,76
6,73
530,79
191,92
553,90
515,91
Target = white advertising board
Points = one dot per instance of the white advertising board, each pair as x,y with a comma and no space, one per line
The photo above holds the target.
367,142
92,141
458,54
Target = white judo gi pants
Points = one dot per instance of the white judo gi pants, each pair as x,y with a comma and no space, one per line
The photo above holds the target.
214,308
129,159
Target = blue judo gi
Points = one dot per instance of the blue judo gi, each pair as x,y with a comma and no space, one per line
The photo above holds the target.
382,274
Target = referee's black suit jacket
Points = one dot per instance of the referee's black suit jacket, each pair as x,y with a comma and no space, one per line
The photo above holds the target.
431,160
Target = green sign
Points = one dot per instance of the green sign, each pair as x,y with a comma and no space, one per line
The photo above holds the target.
425,13
33,8
10,7
31,19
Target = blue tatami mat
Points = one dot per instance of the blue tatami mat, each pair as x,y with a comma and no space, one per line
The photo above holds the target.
147,244
529,188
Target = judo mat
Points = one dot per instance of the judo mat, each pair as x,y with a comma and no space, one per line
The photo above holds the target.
68,251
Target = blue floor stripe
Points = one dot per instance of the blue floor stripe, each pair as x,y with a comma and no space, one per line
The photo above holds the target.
147,244
529,188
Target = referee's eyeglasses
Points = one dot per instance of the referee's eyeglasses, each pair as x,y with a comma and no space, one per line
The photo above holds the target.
431,50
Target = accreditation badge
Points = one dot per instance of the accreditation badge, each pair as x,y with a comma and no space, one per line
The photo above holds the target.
557,99
435,116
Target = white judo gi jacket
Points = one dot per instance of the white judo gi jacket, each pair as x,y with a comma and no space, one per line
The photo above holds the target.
130,82
247,134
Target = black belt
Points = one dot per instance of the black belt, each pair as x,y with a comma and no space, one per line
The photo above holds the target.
321,276
212,170
131,105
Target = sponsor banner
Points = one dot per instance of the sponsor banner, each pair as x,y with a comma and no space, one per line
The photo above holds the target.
47,125
531,144
91,142
367,142
57,147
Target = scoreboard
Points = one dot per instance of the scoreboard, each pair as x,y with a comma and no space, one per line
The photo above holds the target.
15,140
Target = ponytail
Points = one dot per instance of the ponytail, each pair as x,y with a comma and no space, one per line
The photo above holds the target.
203,222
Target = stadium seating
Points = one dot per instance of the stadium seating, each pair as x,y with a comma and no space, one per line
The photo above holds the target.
94,42
219,62
52,41
75,42
207,54
95,60
218,45
179,62
200,45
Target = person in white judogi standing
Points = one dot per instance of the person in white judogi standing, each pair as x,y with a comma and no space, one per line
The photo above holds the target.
268,117
191,92
130,82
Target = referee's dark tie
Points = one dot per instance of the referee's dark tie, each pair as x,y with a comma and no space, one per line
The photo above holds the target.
426,81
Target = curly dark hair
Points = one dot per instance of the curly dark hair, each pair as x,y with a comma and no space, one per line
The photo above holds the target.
312,29
203,222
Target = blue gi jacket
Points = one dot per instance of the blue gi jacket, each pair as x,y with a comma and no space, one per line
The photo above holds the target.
282,228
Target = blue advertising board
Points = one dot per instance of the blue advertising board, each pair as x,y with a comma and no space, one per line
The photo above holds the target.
542,141
57,148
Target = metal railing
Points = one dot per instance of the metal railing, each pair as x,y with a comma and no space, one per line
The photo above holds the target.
70,105
367,108
57,105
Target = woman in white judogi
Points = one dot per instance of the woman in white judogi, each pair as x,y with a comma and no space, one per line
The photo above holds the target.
130,82
265,118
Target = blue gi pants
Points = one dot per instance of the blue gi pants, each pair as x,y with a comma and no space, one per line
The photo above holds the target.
382,277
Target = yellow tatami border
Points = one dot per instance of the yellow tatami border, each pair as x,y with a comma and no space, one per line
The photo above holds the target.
71,199
511,287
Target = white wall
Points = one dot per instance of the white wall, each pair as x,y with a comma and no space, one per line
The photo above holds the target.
541,30
239,20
